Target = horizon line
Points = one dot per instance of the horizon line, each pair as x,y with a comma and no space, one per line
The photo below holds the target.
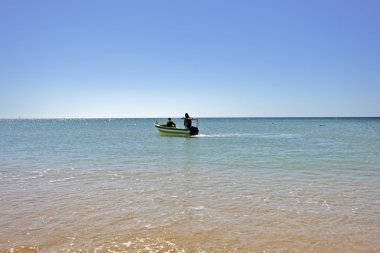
204,117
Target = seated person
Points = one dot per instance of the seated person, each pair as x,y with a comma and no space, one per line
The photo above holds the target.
170,123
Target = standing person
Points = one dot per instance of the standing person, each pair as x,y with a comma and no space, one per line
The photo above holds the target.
187,121
170,123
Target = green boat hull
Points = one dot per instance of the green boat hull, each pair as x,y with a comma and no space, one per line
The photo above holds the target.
173,131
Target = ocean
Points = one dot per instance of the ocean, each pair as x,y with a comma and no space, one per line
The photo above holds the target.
242,185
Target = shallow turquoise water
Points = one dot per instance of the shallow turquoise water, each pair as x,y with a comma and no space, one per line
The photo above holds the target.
237,180
279,143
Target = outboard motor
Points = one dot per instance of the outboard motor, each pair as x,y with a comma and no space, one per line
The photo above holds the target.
194,130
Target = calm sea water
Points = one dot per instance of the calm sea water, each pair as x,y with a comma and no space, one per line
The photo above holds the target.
242,185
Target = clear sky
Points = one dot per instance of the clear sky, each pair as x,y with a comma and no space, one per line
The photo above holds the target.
210,58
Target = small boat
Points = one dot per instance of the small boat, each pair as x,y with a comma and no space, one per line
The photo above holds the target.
174,131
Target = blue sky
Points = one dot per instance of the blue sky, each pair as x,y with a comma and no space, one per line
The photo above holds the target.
272,58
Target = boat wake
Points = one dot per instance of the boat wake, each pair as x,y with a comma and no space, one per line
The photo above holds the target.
245,135
221,135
